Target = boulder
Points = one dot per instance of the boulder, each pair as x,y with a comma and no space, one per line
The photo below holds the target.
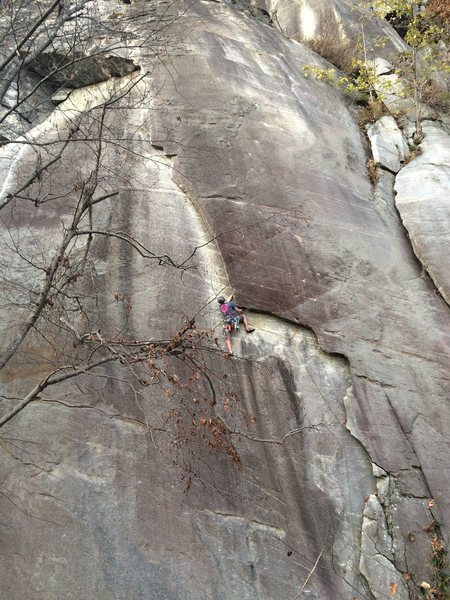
389,146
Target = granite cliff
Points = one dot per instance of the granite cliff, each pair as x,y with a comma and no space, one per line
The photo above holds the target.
201,161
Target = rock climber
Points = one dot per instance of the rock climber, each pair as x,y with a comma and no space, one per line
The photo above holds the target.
232,317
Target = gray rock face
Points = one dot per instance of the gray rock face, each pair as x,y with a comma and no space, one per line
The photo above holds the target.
310,19
389,146
423,201
341,422
377,554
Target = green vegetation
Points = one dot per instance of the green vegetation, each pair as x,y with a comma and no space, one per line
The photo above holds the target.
426,34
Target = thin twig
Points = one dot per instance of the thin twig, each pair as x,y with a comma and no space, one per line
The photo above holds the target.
309,574
51,379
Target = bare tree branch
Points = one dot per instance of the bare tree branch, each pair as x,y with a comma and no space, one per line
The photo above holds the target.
57,376
57,259
140,248
310,574
27,36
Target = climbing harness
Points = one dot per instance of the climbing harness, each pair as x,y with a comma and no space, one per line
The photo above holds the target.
230,322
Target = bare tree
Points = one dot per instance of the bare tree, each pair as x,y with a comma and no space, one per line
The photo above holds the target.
55,325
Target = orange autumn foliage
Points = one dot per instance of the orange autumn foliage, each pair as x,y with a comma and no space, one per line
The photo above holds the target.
440,9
